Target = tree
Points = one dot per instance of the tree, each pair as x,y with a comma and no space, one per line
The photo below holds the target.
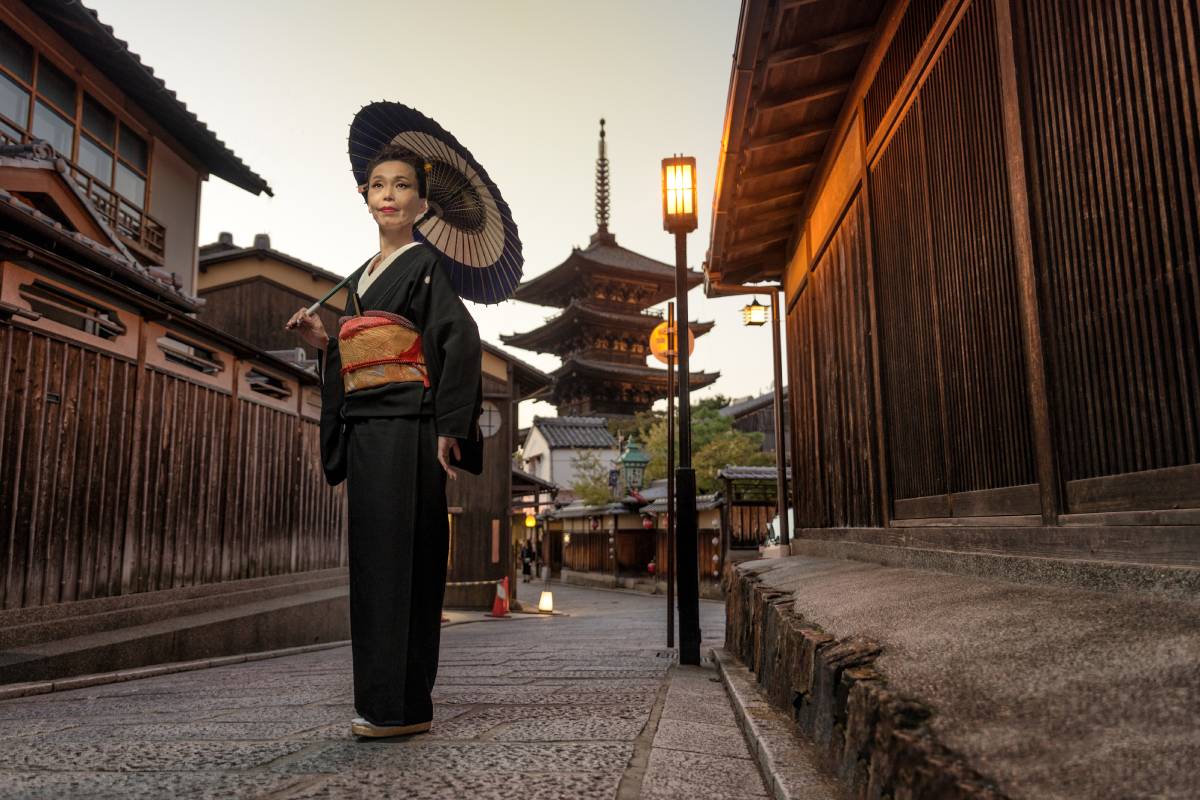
715,444
591,478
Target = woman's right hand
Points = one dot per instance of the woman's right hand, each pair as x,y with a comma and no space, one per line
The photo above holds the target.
310,328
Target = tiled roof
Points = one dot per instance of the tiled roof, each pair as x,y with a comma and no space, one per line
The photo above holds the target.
751,404
704,502
737,473
82,28
575,432
578,509
219,252
634,371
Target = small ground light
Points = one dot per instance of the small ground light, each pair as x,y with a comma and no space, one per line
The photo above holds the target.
546,603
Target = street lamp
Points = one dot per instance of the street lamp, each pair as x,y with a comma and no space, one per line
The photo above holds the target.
633,463
679,218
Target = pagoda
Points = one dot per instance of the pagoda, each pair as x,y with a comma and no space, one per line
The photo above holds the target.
602,334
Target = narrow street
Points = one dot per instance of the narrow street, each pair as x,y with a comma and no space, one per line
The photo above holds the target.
589,704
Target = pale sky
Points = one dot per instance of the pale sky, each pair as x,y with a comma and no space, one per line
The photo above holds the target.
522,84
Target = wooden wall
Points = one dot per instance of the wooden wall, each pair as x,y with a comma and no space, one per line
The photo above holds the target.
994,306
255,310
121,475
481,523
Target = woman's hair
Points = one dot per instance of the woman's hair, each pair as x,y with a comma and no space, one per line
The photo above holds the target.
393,152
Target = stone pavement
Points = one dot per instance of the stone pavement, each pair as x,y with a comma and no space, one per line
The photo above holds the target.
585,705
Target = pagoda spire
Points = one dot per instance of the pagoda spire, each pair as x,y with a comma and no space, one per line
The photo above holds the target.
602,194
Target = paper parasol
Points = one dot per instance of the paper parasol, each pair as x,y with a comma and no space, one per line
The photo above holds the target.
469,222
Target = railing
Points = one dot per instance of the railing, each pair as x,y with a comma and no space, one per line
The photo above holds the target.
133,225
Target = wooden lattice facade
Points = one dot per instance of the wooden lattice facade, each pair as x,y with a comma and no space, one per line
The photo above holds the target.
992,268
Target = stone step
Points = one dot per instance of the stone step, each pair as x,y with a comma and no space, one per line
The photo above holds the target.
22,627
311,616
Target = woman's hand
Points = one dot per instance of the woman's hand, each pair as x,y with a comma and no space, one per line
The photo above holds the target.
446,445
310,328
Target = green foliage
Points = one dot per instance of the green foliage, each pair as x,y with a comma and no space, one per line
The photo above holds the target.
591,478
715,444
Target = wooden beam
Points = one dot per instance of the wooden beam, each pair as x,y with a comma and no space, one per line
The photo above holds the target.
778,200
803,96
780,169
845,40
1051,490
797,134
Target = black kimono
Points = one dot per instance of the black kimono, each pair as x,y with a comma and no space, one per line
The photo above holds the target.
383,442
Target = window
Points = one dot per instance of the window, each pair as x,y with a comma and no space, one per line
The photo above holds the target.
15,55
189,354
49,125
267,384
69,309
14,102
54,85
109,155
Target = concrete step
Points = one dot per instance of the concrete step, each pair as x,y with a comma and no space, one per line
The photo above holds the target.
309,616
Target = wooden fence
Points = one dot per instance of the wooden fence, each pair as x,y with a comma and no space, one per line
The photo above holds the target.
124,469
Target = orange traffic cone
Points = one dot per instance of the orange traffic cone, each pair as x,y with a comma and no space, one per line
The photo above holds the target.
500,604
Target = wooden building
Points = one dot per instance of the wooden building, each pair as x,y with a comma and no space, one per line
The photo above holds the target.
247,288
141,449
985,217
603,332
757,415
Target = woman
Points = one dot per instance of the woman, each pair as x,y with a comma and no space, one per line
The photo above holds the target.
391,425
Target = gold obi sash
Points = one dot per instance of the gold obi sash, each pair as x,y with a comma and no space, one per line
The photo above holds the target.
378,348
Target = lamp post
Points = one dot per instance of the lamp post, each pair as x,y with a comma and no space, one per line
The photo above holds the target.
755,313
679,218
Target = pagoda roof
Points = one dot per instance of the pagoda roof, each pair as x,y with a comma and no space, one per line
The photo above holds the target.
574,366
603,256
543,339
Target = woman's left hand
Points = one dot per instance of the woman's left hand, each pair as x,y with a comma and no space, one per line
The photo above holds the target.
446,445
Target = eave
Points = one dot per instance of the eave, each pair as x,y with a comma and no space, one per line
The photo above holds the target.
551,336
794,74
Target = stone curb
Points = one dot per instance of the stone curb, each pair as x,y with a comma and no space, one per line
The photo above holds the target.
788,765
16,690
83,681
877,742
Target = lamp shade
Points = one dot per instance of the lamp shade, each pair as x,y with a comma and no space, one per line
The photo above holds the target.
530,521
755,313
633,462
679,194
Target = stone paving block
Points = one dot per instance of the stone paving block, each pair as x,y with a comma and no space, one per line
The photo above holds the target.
476,786
675,774
314,714
133,756
415,754
178,732
701,737
123,786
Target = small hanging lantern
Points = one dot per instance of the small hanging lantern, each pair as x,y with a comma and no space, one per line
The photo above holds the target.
755,313
633,463
530,520
648,521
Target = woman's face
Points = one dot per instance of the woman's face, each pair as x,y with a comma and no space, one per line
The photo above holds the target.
392,195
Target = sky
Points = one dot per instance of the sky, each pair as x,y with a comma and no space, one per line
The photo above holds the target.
521,83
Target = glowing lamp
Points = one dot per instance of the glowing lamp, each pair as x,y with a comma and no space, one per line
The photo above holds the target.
679,194
755,313
530,521
566,539
546,603
633,463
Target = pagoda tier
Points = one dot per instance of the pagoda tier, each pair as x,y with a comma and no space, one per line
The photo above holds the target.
605,274
597,333
585,386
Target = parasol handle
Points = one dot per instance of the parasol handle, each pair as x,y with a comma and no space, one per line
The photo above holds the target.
341,285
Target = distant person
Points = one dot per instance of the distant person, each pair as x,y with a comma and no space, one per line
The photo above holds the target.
527,556
401,390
